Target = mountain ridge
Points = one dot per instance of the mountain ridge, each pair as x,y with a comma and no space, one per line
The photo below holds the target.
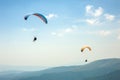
102,69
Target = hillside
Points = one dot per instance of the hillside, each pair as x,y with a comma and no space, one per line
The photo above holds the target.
105,69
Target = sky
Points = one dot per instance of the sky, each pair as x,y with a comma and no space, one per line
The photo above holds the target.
71,25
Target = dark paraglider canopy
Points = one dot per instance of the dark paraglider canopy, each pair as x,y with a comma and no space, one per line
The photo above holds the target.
35,38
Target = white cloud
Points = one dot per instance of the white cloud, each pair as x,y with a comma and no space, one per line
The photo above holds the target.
28,29
90,10
104,33
64,31
109,17
97,15
100,33
98,12
50,16
57,34
92,21
68,30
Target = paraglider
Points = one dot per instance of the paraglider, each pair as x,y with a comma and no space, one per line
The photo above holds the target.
35,38
86,60
84,47
42,17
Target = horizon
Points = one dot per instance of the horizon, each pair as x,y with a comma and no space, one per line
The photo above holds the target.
7,68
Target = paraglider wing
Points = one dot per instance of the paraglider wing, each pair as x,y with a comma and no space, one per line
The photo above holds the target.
26,17
43,18
84,47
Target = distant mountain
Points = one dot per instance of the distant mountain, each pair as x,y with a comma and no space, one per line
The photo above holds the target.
105,69
9,75
20,68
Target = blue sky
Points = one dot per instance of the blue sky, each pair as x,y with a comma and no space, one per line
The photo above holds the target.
71,25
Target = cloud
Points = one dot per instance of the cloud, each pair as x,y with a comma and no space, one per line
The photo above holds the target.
68,30
64,31
28,29
109,17
90,10
100,32
98,12
92,21
57,34
104,33
50,16
97,15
